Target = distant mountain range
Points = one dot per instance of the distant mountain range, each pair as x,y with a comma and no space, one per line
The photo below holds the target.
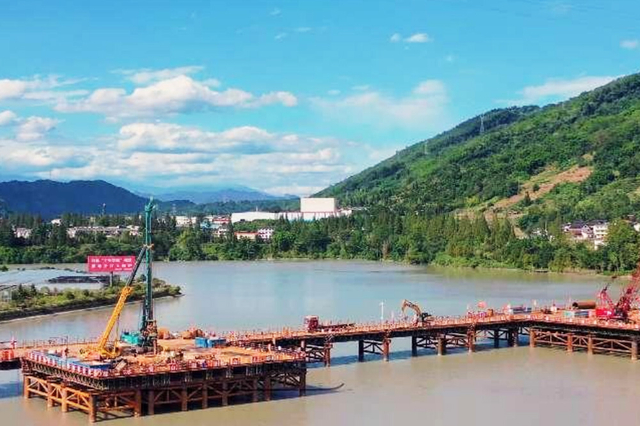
50,199
219,195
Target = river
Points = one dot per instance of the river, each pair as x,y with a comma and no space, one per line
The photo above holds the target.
492,386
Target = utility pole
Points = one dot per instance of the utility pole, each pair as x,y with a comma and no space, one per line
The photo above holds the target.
381,311
482,124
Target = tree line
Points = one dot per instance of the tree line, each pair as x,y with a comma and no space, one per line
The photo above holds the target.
376,234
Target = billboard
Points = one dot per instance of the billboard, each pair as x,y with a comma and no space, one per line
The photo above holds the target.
110,263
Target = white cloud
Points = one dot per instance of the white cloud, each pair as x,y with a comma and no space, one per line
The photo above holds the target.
414,38
361,87
450,58
303,29
174,155
430,88
21,157
34,128
275,12
280,36
212,82
36,88
333,92
559,89
423,109
7,117
176,95
418,38
630,44
146,75
28,129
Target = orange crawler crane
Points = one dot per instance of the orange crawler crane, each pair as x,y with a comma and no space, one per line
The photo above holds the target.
628,297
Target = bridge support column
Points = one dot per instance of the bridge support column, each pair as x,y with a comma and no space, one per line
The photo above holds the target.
63,395
386,342
471,341
496,339
205,396
225,394
360,350
254,395
267,388
442,345
327,355
590,345
414,346
303,384
516,337
50,390
151,402
93,409
634,350
183,399
569,342
532,337
137,406
25,387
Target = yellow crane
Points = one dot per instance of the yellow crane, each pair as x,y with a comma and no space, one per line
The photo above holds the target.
102,348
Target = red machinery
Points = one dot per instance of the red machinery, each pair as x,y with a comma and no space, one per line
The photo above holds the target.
313,324
629,295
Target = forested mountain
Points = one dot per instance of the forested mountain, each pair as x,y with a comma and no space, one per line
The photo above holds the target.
50,199
578,159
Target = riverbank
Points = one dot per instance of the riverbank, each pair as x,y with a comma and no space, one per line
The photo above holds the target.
28,302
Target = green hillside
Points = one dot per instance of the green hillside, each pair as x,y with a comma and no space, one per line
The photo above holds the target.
596,135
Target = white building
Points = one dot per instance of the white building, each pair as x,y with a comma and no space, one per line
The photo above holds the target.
220,231
310,209
185,221
265,233
251,216
56,221
318,205
22,233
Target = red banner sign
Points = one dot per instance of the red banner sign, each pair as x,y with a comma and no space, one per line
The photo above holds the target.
110,263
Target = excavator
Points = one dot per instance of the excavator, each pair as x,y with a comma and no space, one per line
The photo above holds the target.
104,349
422,318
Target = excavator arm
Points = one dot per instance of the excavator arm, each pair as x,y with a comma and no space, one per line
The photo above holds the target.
422,316
126,291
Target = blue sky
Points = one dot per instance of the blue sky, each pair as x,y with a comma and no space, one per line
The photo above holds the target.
285,97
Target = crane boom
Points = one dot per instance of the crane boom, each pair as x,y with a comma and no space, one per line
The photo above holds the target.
126,291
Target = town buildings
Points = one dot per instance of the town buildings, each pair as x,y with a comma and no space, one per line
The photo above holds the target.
310,209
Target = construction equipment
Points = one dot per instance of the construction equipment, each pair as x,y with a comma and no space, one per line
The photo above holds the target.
421,317
147,337
628,297
313,325
148,325
103,349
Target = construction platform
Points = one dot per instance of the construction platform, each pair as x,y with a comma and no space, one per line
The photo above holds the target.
181,378
249,366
